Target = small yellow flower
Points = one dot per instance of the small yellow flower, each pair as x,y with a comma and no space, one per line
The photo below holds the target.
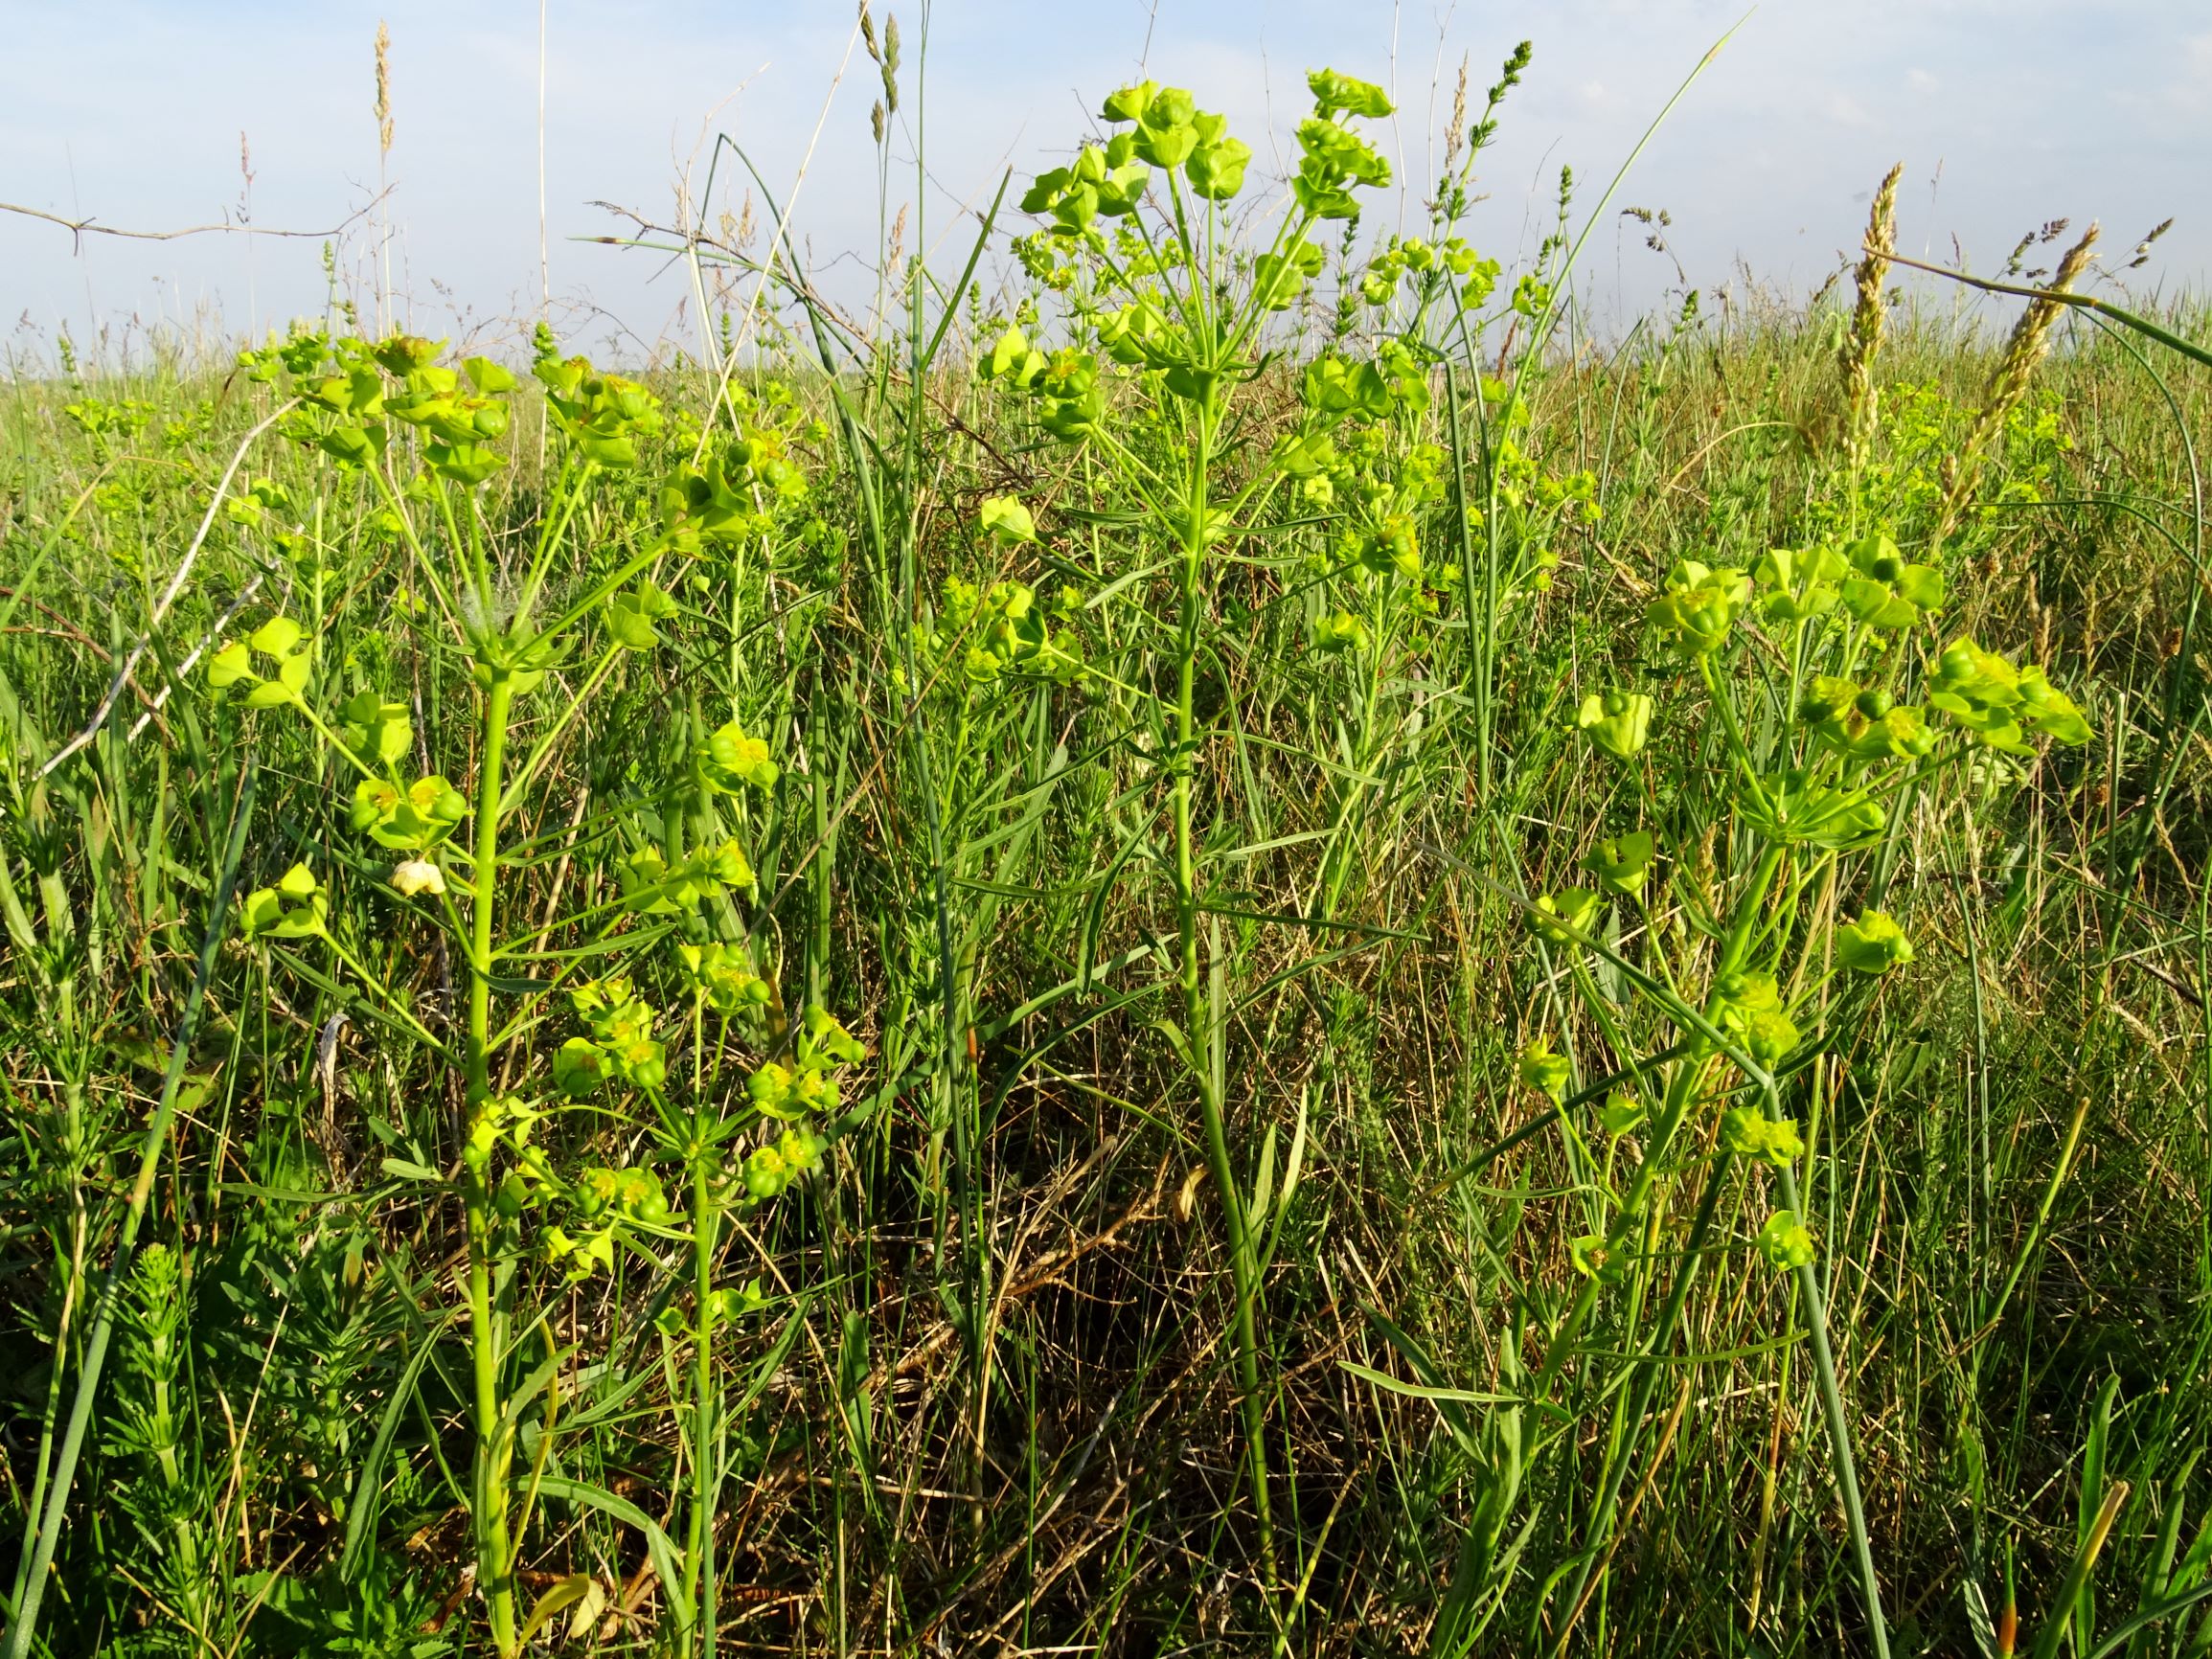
418,875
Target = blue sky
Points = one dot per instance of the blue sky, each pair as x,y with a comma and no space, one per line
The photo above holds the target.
2006,115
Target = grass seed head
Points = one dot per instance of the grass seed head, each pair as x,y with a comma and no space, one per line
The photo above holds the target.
383,88
1864,339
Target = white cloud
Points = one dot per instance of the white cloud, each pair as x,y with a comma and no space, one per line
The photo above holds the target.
1847,111
2188,83
1781,131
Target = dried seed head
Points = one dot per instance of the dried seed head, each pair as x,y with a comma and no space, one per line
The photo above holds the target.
383,88
1455,129
2028,346
1860,344
2143,247
2030,342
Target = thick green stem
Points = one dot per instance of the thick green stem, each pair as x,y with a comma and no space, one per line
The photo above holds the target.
487,1494
1681,1094
699,1552
1243,1258
1618,1464
1815,1308
1838,1432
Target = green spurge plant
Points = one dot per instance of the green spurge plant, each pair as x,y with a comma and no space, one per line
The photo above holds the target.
1744,975
1171,306
1169,299
940,1349
668,868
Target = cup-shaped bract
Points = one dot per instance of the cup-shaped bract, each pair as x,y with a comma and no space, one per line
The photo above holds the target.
1593,1257
1620,863
1699,605
1785,1243
1874,943
1618,722
1333,92
1567,916
1623,1113
1543,1071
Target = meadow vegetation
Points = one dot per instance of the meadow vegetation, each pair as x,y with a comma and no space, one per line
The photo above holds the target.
1208,940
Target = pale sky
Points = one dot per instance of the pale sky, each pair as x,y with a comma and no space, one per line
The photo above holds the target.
2007,113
